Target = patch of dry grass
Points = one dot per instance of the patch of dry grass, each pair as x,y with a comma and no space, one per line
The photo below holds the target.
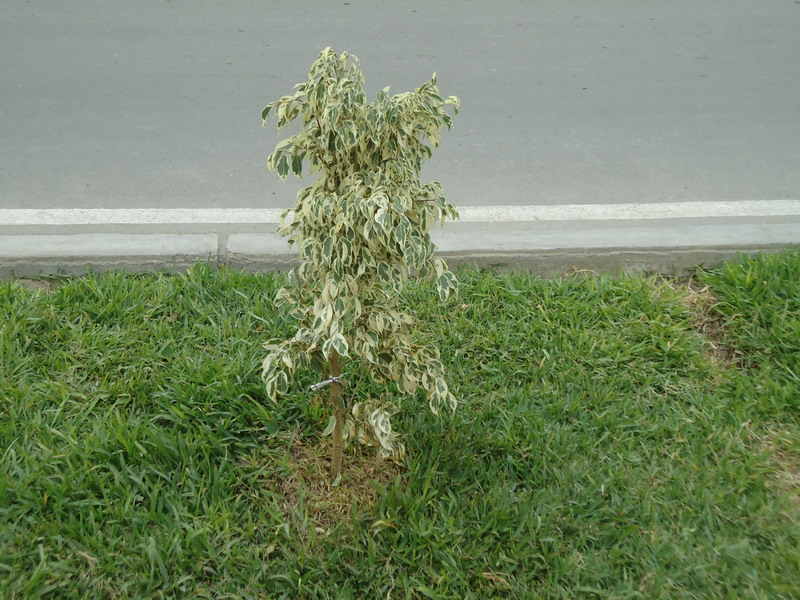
786,462
40,285
308,481
698,299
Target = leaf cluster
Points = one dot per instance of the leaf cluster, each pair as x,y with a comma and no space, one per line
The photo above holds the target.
362,231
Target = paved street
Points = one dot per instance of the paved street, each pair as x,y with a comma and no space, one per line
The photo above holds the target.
157,104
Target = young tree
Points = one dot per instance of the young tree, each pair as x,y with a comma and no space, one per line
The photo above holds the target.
361,229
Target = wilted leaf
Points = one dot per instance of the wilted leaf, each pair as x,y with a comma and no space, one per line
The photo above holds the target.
331,424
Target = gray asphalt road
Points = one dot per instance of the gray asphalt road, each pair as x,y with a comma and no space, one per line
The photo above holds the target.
157,104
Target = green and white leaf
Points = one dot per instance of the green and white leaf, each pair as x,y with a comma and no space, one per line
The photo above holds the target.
362,229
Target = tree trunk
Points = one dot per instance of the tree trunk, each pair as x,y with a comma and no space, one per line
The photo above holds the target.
338,412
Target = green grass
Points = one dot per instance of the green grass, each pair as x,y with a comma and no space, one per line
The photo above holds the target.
598,451
759,303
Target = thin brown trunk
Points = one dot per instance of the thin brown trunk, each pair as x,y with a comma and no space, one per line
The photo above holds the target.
338,412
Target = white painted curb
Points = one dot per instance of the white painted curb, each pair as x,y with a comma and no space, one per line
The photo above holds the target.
468,214
655,236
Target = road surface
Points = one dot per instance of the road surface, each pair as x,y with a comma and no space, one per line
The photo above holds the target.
107,104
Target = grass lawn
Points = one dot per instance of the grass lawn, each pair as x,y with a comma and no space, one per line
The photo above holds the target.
617,438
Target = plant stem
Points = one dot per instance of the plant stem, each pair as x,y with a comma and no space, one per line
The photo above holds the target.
338,412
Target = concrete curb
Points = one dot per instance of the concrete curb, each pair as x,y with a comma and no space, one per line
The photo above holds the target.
668,246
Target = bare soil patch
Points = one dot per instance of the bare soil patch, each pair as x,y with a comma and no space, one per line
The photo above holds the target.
39,285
